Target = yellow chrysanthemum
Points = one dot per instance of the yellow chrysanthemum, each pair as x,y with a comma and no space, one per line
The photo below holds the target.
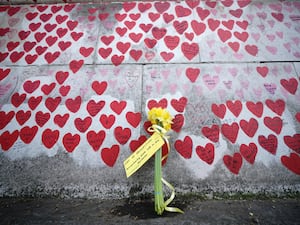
160,116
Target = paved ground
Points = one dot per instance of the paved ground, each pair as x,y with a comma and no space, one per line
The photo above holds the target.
80,211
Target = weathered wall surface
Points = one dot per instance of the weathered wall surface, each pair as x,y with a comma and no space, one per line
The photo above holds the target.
76,82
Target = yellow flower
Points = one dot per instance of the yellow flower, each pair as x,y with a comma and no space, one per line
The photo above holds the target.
160,116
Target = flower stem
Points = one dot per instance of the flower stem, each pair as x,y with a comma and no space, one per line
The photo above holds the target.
158,191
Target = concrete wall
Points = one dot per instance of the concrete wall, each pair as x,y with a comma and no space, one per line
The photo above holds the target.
76,82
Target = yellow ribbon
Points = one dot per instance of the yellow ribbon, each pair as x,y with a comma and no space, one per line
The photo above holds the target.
162,132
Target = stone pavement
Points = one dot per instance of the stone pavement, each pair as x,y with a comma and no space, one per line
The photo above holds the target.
81,211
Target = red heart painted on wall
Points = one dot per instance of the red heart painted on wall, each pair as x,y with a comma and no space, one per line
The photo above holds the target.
189,50
198,27
180,104
50,137
192,74
178,122
30,86
185,147
75,65
41,118
277,106
4,73
292,162
233,163
110,155
230,131
17,99
250,127
211,133
61,76
73,105
61,120
95,139
122,135
161,6
64,90
99,87
117,59
133,119
180,26
70,141
290,85
22,116
235,107
94,107
33,102
135,144
8,139
28,133
219,110
274,124
163,103
107,120
207,153
5,118
171,41
118,107
293,142
249,152
52,103
83,124
262,70
269,143
256,108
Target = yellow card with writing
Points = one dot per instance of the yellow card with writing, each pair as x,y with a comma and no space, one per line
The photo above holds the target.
142,154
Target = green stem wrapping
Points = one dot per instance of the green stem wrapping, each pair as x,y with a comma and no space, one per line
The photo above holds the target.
158,191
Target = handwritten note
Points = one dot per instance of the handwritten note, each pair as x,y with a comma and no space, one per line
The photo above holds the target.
142,154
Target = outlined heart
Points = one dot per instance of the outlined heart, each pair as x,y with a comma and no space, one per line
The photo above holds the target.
233,163
95,139
249,152
292,162
110,155
207,153
122,135
269,143
70,141
212,133
185,147
83,124
230,131
293,142
107,120
50,137
8,139
28,133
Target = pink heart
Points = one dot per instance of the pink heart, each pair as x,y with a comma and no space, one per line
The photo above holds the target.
210,82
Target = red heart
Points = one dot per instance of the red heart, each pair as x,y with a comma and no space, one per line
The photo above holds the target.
94,107
107,39
75,65
103,16
158,33
3,56
144,6
292,162
145,27
192,74
262,70
227,3
270,143
250,127
52,103
12,45
135,144
182,11
242,24
171,41
22,116
290,85
118,107
122,135
41,118
95,139
110,155
120,17
249,152
24,34
297,116
213,24
50,27
86,52
136,54
107,121
83,124
31,15
5,118
150,43
277,106
168,17
207,153
49,137
61,32
127,6
136,37
189,36
99,87
193,4
202,13
8,139
48,88
180,27
243,3
72,24
178,122
40,50
76,36
63,45
235,46
33,102
153,16
121,31
230,131
236,12
190,50
219,110
73,104
161,6
255,108
235,107
180,104
163,103
278,16
61,18
251,49
30,86
198,27
123,47
224,35
233,163
211,3
50,40
242,36
275,123
28,45
184,148
61,120
28,133
51,57
133,119
4,73
30,58
70,141
130,24
64,90
45,16
167,56
38,37
211,133
293,142
117,60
